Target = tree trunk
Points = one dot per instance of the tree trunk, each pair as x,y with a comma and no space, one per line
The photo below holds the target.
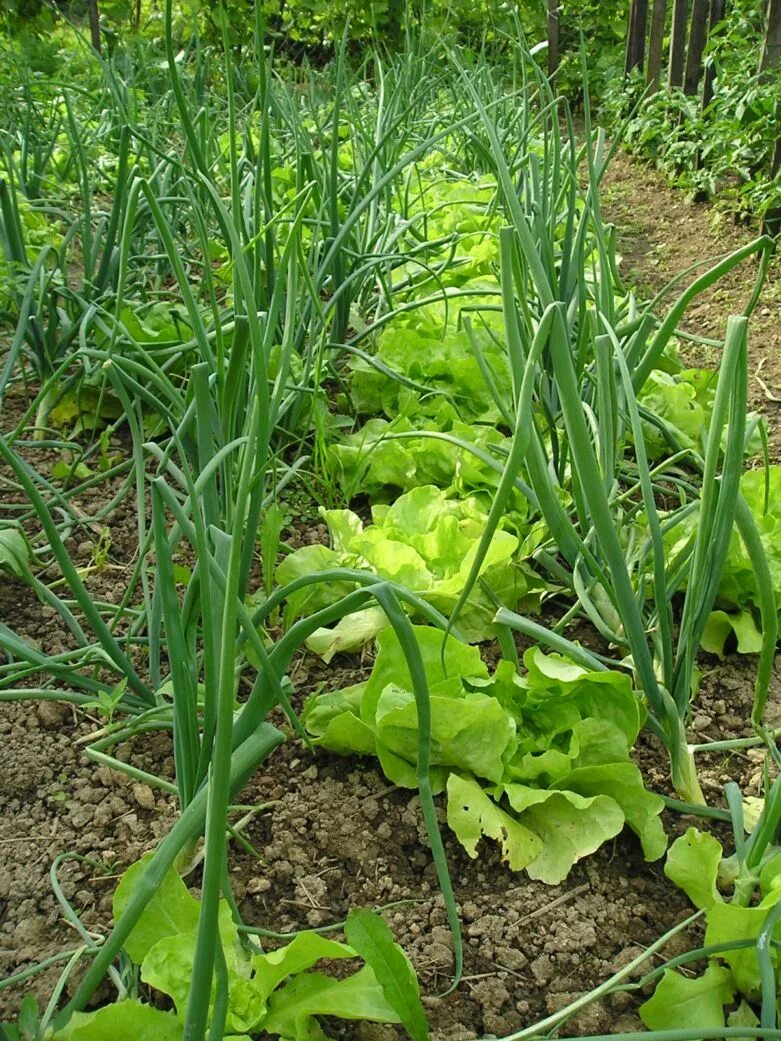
635,43
94,23
716,15
655,43
698,36
678,43
553,37
137,15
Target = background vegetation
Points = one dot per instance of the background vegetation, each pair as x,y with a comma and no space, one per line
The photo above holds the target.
713,131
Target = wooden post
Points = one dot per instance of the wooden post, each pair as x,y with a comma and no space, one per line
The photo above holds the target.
771,47
641,28
94,23
630,37
769,64
655,43
716,15
698,36
678,43
635,42
553,37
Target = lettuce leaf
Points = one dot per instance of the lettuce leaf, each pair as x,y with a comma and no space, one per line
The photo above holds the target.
122,1021
682,1003
275,991
539,763
736,609
426,347
426,542
472,814
292,1008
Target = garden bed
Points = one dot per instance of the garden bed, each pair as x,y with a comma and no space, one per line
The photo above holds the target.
336,835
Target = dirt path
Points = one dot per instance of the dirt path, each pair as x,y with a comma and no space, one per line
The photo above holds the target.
336,835
662,234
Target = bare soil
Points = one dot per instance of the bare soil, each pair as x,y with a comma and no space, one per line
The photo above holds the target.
661,235
334,834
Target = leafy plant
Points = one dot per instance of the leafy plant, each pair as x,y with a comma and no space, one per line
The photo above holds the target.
587,383
738,600
540,762
276,992
724,148
739,985
424,542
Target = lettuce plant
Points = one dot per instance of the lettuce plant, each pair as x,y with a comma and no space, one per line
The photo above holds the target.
540,762
424,542
740,898
385,457
441,361
457,217
277,992
682,406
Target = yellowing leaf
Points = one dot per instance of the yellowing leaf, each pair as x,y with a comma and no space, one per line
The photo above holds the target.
472,814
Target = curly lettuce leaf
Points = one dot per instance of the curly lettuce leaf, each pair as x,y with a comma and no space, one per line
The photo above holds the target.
350,634
682,1003
292,1008
623,782
555,744
16,554
168,967
727,923
737,601
122,1021
721,625
693,865
683,403
473,814
444,665
569,825
434,354
172,911
302,953
473,734
425,542
275,991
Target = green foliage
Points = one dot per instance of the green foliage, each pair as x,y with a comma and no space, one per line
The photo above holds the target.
681,1003
25,17
682,406
737,603
444,361
369,936
16,554
540,763
423,541
276,992
326,22
741,940
375,461
219,232
123,1021
693,865
725,148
